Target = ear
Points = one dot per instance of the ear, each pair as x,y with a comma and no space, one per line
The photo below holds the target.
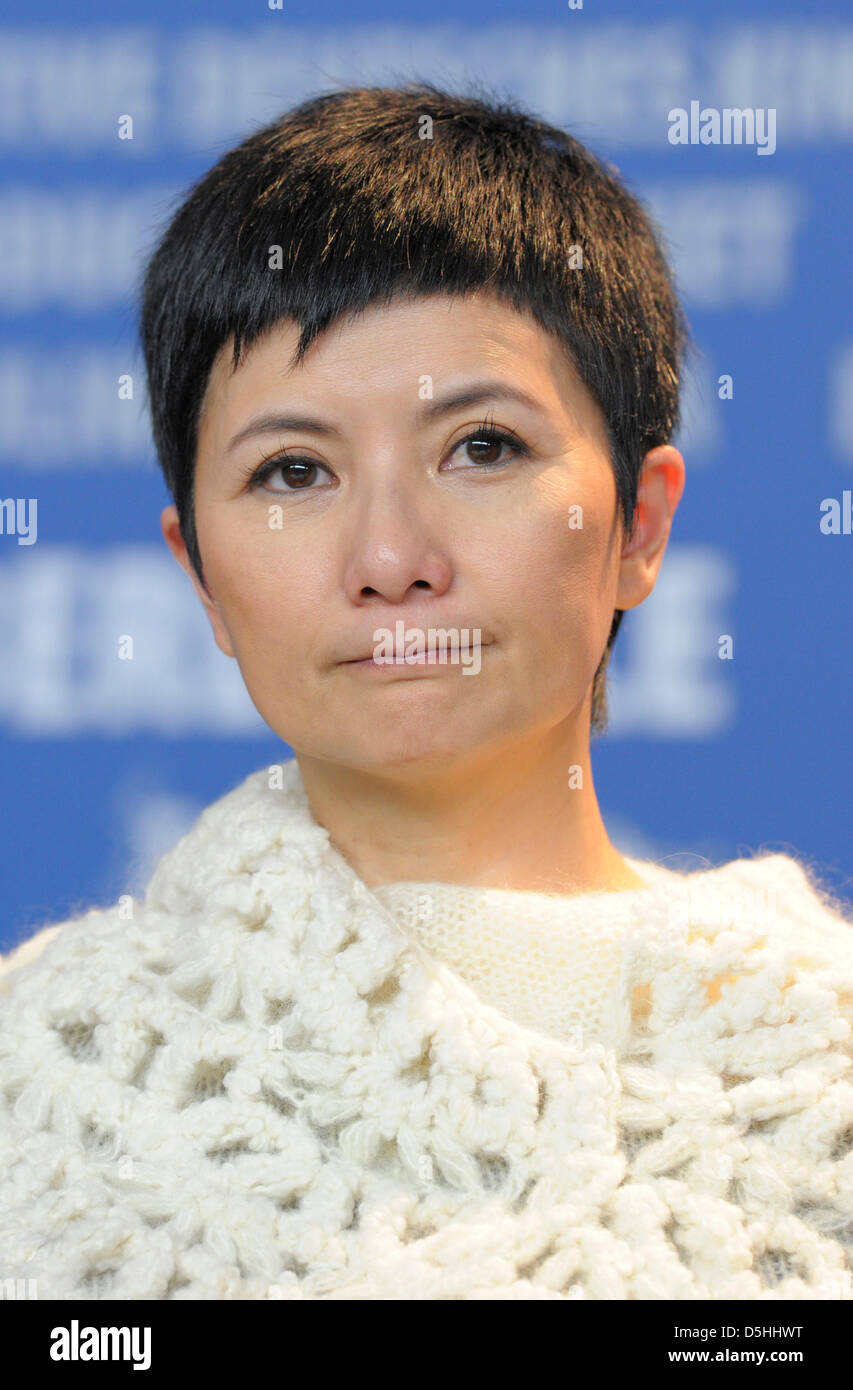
659,490
171,529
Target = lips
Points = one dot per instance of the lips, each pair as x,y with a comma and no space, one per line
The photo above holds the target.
417,658
368,656
395,661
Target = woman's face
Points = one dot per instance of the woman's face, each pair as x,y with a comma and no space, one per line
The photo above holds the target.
386,505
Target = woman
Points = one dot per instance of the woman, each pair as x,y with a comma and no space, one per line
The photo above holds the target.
395,1019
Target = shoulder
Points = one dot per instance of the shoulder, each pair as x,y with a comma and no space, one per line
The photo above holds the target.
747,969
794,901
60,943
766,917
781,894
207,837
26,952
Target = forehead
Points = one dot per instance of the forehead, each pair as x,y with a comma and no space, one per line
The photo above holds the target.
391,350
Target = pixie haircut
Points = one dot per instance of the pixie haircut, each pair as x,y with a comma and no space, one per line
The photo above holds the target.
368,199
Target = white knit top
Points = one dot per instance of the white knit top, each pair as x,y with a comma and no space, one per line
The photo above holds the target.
258,1082
550,962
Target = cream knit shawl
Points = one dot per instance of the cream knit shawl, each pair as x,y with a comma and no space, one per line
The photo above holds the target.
255,1083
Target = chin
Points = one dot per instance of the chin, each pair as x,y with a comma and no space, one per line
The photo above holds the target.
397,748
403,755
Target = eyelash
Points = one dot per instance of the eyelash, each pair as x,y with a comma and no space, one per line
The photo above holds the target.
485,432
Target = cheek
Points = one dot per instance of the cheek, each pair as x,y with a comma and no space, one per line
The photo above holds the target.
559,585
268,596
559,572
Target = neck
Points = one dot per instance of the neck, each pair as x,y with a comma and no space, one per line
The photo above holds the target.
525,818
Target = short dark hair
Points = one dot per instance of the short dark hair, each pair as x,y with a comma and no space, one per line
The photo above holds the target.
365,208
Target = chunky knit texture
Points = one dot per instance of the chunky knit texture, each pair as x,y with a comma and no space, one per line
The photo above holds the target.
256,1083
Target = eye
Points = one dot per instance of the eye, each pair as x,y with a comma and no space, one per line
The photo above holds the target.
301,472
487,441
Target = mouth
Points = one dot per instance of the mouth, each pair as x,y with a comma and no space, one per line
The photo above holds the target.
415,661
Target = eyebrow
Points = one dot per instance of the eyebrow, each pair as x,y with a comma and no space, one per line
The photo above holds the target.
275,421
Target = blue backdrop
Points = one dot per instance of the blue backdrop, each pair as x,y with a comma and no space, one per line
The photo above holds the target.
105,762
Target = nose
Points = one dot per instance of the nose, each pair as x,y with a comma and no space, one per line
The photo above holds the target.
397,549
